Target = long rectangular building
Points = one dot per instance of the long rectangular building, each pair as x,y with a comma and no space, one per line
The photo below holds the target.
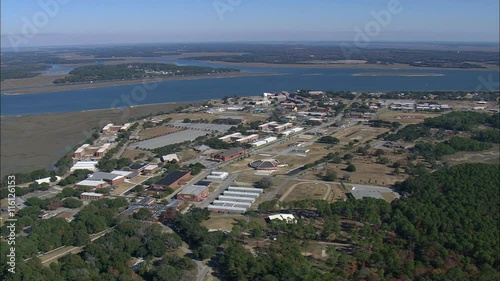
241,194
246,189
236,199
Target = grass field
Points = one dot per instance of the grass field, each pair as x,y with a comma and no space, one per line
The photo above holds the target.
404,117
488,156
132,153
223,222
122,187
362,133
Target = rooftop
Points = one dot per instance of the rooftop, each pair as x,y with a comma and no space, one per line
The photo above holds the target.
193,190
171,178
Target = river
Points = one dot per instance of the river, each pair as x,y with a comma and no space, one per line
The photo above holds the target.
335,79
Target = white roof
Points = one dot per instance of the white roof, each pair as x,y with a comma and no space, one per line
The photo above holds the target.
150,167
85,165
92,194
91,182
283,217
122,173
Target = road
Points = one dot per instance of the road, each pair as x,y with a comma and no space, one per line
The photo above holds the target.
202,269
59,252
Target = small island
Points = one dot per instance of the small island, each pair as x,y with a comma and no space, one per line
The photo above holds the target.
404,74
135,71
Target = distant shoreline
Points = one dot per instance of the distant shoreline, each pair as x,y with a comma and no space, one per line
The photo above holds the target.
55,88
377,74
346,65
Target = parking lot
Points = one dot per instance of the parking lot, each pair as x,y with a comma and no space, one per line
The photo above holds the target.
170,139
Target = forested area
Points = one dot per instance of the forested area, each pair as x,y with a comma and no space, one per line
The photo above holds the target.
445,229
132,71
108,258
480,126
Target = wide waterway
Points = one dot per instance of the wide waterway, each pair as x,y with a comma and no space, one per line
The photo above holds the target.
335,79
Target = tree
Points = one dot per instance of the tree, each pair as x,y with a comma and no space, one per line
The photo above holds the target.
348,156
350,168
72,203
143,214
265,182
328,139
330,175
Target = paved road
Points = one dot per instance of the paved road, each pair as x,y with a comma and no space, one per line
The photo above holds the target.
202,269
61,251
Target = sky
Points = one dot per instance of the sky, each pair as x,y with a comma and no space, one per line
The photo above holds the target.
26,23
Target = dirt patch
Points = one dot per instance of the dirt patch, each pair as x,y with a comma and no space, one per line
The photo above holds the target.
132,153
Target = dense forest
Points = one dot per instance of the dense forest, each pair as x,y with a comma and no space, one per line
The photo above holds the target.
133,71
445,229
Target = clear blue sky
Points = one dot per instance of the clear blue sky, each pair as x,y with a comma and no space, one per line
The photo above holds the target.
131,21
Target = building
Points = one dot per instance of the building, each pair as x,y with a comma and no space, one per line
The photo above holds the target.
172,208
265,164
92,183
91,196
195,193
151,169
146,201
247,139
114,129
126,174
170,157
87,151
172,180
110,178
138,167
230,154
47,180
84,165
288,218
220,176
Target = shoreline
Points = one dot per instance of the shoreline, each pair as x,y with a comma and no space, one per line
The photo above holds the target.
346,65
56,88
388,74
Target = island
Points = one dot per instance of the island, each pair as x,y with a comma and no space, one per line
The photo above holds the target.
135,71
405,74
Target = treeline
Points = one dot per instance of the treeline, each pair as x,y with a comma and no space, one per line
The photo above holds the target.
133,71
435,151
467,121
